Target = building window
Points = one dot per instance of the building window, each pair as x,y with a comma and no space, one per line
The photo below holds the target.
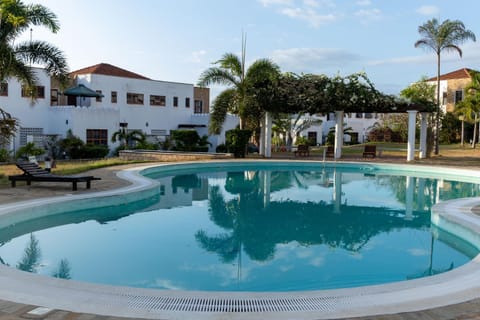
114,96
458,96
99,98
97,136
134,98
187,102
368,115
175,101
359,115
4,89
198,106
157,100
37,91
54,97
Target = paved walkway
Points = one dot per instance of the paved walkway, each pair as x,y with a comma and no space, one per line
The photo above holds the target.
10,310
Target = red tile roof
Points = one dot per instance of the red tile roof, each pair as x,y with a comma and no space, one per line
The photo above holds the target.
108,70
457,74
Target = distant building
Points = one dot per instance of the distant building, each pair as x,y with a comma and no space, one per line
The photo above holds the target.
452,87
129,100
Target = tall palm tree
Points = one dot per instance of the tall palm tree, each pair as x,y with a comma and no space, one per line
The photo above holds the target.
438,37
237,98
17,57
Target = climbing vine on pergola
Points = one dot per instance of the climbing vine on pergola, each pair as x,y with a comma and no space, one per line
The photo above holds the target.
319,94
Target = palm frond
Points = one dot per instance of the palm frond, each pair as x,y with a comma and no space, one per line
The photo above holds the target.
40,15
216,75
40,52
222,104
231,62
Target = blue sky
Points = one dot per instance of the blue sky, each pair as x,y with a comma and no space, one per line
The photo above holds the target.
176,40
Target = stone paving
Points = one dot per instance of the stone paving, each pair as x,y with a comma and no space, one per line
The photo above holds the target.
12,311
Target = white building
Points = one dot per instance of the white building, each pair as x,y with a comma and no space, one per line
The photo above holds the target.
129,100
360,123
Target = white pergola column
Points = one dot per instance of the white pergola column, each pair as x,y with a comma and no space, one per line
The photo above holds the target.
423,135
412,114
261,147
268,135
338,134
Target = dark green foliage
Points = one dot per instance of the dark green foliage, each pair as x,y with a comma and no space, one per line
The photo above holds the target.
237,141
189,140
4,155
30,149
93,151
72,145
450,132
221,148
75,148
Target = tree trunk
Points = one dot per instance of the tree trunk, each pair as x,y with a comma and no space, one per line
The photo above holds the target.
462,139
474,132
436,135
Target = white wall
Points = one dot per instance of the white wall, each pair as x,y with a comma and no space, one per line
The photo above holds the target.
31,114
143,117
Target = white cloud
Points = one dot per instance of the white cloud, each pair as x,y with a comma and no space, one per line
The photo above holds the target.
428,10
267,3
402,60
319,3
309,60
196,56
369,15
311,16
364,3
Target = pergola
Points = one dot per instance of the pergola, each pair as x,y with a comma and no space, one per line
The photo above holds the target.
319,95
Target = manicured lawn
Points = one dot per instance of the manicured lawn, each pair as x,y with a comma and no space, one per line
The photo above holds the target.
63,167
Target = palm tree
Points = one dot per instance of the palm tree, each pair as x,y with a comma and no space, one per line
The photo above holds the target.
446,36
128,138
470,106
17,57
237,99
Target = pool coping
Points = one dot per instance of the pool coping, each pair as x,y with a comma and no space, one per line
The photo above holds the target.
459,285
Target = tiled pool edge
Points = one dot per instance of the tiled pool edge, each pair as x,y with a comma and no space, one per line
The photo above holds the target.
117,301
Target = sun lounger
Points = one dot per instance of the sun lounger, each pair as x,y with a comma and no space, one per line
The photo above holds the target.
370,151
330,152
33,172
302,150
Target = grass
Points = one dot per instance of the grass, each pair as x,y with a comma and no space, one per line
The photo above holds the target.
453,155
64,167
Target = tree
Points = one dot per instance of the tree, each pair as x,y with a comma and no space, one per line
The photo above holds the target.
16,57
469,107
437,37
128,138
288,124
238,98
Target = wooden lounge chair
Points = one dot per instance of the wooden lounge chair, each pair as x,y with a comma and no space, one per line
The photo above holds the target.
33,172
370,151
330,151
302,150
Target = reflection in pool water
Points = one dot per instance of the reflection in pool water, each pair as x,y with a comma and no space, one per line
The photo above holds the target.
251,230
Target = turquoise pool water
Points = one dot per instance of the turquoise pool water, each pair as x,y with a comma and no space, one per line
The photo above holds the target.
275,227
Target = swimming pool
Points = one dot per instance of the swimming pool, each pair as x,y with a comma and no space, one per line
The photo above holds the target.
368,172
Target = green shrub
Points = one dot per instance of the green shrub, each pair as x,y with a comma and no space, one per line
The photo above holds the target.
93,151
4,155
237,141
221,148
185,140
30,149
